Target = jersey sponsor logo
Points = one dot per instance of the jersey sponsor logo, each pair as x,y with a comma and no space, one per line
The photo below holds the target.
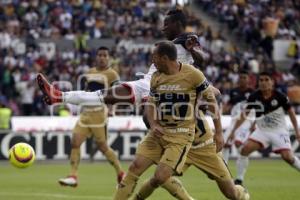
247,95
170,87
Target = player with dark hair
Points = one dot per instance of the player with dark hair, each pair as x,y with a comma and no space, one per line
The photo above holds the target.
93,119
270,106
188,51
238,97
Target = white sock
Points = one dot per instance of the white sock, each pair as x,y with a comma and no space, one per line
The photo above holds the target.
226,154
82,97
242,163
296,163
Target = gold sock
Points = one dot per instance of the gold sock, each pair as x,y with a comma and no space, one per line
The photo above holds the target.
74,160
113,159
126,187
175,188
145,191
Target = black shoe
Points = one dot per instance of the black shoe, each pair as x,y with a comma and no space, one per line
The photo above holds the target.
238,182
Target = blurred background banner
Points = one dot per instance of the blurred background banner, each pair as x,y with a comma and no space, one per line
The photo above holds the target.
50,136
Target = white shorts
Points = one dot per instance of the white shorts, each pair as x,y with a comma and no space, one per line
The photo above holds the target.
241,134
139,89
279,139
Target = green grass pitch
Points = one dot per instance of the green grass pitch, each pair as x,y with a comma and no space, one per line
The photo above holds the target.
265,180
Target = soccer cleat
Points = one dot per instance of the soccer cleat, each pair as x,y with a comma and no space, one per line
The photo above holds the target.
238,182
121,176
68,181
51,94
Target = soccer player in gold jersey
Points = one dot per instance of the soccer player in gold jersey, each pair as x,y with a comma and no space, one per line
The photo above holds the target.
170,110
93,119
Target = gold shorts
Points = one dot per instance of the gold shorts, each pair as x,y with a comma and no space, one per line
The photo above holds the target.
161,151
206,159
92,123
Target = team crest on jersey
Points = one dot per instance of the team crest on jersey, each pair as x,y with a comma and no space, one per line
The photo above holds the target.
169,87
247,95
274,102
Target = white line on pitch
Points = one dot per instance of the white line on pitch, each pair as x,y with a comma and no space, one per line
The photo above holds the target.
55,195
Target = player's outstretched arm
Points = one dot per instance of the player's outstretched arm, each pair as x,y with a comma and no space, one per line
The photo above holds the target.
199,55
237,124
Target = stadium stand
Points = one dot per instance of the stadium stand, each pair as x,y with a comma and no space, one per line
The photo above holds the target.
79,21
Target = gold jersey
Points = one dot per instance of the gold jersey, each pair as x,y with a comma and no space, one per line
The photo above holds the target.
175,97
203,130
100,79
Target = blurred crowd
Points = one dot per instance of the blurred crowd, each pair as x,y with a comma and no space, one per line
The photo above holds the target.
93,18
258,23
81,20
256,19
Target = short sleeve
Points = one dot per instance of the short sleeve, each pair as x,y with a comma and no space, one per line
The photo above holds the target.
201,82
152,88
285,102
115,78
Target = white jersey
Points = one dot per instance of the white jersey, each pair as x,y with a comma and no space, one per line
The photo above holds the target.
270,113
238,99
183,55
274,120
140,89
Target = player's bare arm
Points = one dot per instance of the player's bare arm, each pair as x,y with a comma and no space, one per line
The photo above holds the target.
192,45
209,96
237,124
253,127
150,110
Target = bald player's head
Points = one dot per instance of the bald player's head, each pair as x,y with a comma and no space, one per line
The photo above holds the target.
164,53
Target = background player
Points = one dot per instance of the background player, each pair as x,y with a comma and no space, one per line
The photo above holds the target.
93,119
270,106
238,97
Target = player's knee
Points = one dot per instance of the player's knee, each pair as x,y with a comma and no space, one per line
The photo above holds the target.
155,182
160,177
102,146
135,166
237,144
245,151
158,180
288,157
75,143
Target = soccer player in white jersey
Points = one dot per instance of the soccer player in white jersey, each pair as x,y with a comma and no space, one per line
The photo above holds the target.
238,97
188,51
270,106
